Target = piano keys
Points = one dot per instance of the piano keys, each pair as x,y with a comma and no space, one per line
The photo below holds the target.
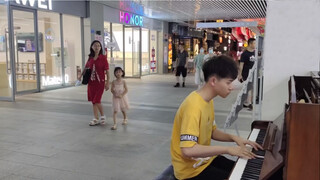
250,169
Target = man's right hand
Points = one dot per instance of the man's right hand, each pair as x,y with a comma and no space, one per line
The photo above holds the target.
241,152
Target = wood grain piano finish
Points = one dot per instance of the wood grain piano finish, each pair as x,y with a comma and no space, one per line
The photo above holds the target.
302,119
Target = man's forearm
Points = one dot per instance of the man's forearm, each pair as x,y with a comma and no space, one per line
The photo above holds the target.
240,68
201,151
221,136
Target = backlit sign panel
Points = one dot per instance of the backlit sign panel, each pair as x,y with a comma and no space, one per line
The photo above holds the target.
131,19
42,4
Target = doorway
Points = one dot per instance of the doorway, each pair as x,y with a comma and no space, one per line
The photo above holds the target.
132,51
25,47
20,70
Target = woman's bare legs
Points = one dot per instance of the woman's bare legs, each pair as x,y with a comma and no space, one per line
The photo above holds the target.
95,120
102,117
100,108
95,111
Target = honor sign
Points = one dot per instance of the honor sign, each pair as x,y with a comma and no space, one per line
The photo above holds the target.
131,19
43,4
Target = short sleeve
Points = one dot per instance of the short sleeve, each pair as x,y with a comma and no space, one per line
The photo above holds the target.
214,127
88,63
106,64
243,57
190,123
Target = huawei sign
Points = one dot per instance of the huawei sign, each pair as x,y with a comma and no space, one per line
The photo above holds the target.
43,4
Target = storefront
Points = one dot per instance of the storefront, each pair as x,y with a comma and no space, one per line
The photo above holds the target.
41,45
132,41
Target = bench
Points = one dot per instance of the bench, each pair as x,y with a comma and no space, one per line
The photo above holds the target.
167,174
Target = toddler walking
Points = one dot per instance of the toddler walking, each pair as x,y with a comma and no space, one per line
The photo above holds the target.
120,100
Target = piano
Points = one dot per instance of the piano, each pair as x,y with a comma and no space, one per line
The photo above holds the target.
291,142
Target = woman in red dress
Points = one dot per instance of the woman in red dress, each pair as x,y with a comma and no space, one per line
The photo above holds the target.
99,66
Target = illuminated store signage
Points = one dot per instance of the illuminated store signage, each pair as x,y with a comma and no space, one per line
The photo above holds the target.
131,7
43,4
131,19
53,80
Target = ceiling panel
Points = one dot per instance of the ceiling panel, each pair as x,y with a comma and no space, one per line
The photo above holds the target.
200,10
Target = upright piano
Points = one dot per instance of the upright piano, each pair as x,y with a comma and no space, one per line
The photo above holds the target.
291,144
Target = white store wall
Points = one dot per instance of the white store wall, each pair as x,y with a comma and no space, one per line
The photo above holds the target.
292,47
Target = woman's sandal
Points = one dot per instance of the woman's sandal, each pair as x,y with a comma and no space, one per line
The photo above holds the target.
125,122
94,122
103,120
114,127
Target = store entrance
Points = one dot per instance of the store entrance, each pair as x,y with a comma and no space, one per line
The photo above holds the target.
25,47
132,51
18,46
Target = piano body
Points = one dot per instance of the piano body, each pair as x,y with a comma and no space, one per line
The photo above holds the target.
291,144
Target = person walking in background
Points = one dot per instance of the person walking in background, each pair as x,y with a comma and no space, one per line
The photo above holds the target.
209,55
194,127
119,99
198,62
182,62
246,63
99,66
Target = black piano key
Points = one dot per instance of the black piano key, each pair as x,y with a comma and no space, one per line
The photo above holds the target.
243,178
250,176
256,172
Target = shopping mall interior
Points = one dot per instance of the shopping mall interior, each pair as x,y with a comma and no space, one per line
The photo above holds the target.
45,113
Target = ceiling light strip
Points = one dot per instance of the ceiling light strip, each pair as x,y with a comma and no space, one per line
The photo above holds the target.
228,24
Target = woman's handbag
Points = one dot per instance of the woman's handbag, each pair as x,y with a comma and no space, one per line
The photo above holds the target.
86,76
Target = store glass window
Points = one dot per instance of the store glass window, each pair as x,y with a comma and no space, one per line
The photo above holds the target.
5,72
107,39
153,50
50,53
72,48
145,52
117,44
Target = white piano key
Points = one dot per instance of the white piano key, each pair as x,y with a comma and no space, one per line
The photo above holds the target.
241,163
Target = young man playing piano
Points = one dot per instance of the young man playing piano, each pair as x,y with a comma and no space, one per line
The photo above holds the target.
191,153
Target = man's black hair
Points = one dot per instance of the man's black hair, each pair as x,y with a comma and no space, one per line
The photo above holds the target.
220,66
251,40
116,69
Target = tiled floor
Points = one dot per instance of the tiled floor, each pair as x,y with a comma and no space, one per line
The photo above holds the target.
46,135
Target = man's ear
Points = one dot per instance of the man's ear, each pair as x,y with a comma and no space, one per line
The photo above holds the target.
212,80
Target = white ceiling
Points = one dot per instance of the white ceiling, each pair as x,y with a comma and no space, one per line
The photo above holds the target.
200,10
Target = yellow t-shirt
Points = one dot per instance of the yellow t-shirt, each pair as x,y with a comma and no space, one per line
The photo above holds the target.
193,124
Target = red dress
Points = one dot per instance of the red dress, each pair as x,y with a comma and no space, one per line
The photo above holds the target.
96,82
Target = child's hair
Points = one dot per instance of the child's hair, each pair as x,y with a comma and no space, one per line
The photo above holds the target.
220,66
116,69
